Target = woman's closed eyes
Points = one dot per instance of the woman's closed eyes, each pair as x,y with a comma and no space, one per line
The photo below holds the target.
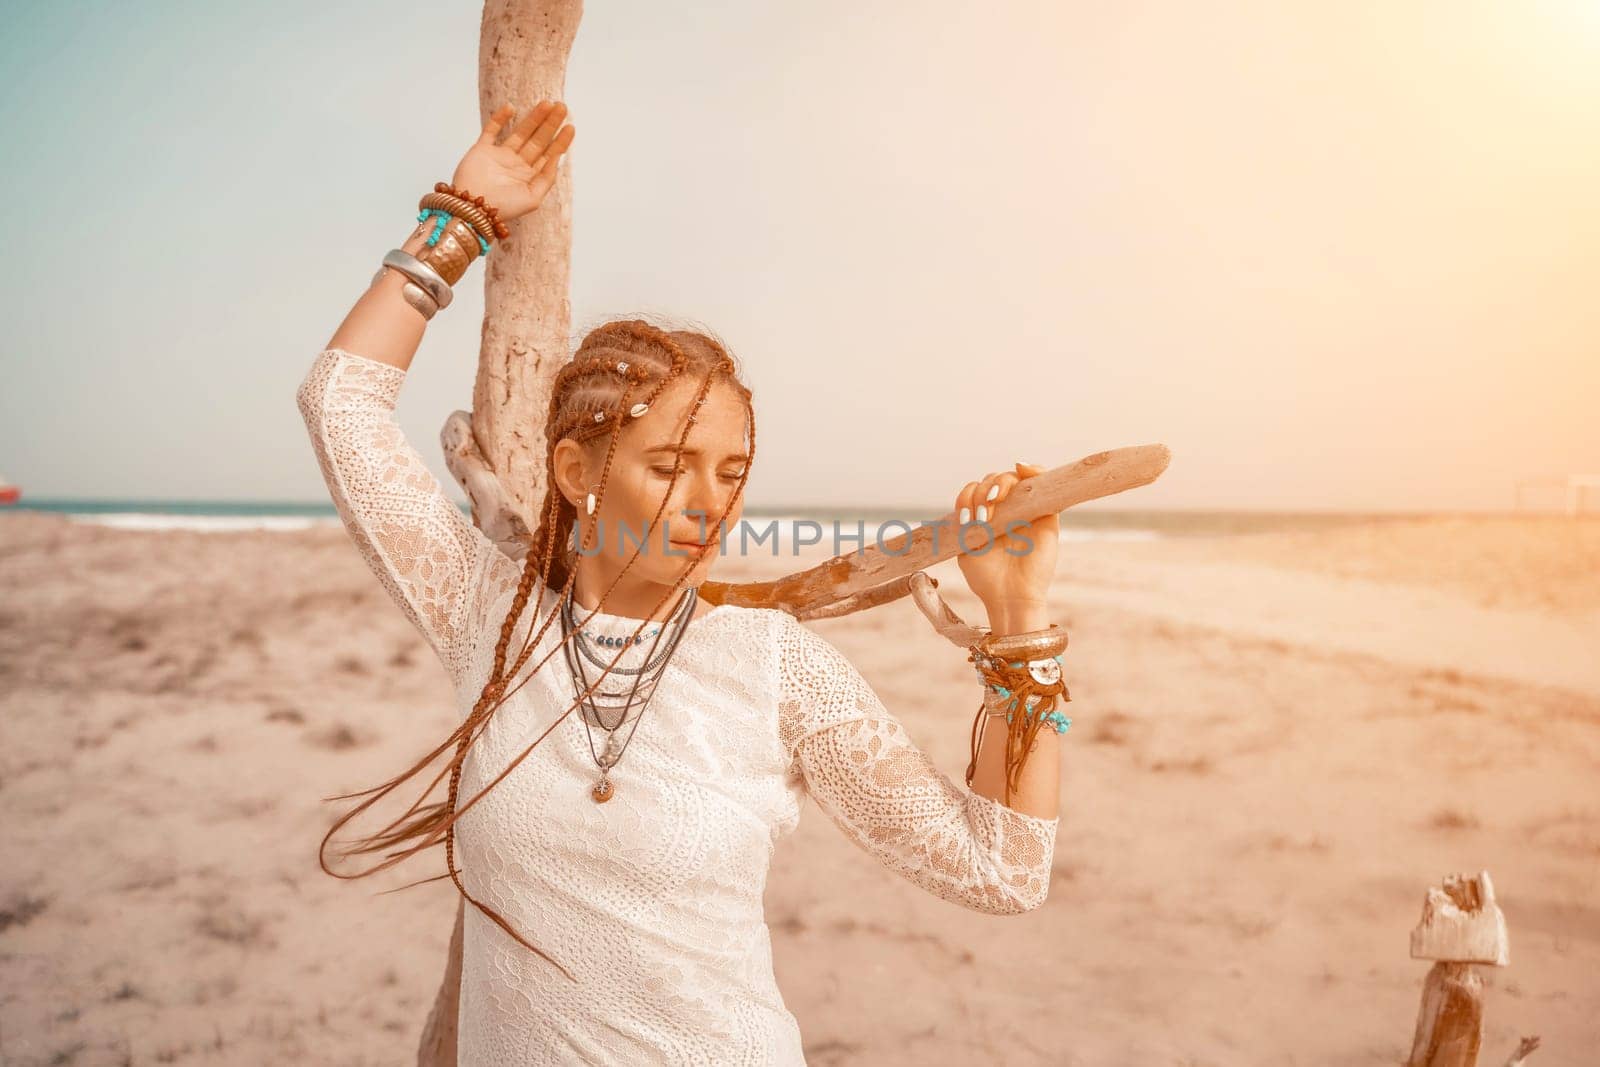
667,472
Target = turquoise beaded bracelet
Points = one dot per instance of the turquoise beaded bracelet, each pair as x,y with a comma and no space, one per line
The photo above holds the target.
441,220
1056,719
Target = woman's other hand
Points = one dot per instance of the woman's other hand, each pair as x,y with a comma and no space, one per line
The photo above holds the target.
514,172
1015,571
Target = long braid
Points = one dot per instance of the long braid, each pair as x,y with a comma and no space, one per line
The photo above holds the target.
590,382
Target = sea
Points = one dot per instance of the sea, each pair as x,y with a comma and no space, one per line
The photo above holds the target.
817,525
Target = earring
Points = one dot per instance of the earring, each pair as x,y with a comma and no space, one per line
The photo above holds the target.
589,503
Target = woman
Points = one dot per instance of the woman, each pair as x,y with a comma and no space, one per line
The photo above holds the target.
616,874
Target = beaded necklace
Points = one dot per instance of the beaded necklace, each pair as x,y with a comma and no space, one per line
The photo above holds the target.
601,708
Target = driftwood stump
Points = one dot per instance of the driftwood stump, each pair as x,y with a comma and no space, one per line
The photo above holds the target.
1461,926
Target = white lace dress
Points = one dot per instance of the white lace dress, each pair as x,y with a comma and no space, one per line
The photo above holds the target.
653,899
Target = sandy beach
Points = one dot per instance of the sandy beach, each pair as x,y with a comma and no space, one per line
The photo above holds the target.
1280,741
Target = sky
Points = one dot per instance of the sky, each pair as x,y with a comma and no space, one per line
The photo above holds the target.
1334,255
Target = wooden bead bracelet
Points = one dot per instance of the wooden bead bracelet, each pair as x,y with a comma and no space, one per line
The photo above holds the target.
495,228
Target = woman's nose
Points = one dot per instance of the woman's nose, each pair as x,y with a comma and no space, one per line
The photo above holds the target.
699,517
703,508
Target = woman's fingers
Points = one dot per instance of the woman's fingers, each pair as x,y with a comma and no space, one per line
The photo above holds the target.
519,134
545,140
991,490
964,503
547,166
978,501
537,134
491,129
553,153
564,139
1000,488
542,182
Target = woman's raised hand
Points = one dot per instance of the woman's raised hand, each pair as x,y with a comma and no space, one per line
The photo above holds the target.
1020,561
514,172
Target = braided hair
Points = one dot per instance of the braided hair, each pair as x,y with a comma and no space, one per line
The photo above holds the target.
616,374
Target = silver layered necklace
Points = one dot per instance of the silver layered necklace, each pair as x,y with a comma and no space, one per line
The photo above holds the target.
608,708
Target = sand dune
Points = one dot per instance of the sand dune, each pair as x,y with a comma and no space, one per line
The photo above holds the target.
1279,741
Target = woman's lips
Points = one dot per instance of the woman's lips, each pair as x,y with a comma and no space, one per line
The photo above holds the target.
694,546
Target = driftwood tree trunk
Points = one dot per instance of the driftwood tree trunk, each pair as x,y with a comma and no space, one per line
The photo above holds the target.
522,58
523,46
438,1045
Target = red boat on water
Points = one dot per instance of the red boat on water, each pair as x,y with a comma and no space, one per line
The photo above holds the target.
9,494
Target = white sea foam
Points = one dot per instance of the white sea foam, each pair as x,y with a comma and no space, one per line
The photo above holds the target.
145,520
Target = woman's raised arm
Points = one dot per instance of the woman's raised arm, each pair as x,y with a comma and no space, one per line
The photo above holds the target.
888,797
430,557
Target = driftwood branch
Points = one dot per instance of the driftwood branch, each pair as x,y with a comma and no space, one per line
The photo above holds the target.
494,511
878,574
875,575
924,590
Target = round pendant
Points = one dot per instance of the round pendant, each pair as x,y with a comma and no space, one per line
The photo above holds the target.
1045,671
602,791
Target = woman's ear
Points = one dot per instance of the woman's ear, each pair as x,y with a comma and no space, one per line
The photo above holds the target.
571,474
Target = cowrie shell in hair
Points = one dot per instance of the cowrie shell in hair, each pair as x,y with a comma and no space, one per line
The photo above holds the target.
599,416
622,366
638,410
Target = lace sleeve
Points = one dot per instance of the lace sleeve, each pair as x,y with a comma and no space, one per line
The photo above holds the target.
888,797
428,555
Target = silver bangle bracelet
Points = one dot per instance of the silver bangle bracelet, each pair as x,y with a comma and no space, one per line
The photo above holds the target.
412,293
425,276
419,299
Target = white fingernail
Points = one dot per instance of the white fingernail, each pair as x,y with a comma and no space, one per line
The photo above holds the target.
983,513
965,516
994,491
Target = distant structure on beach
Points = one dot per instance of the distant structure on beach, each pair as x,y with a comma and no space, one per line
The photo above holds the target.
9,494
1574,486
